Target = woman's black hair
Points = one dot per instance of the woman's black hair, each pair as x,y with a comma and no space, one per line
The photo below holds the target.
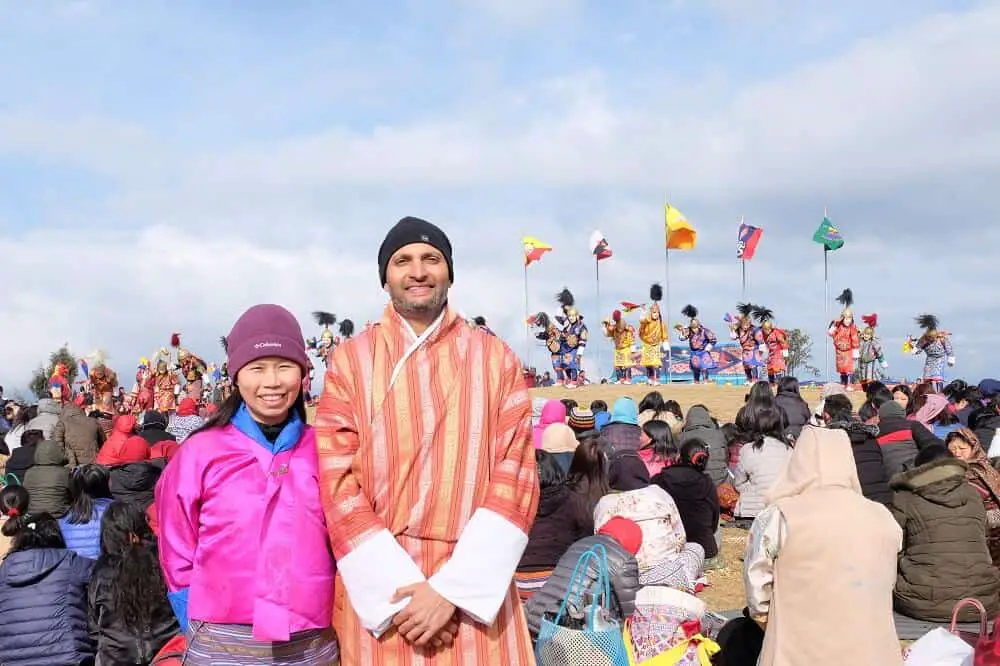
789,385
881,396
695,454
86,484
568,403
589,467
223,416
128,545
39,530
867,411
661,440
598,406
955,388
905,390
759,391
24,415
873,387
32,437
760,417
930,453
14,499
674,407
549,471
652,401
839,408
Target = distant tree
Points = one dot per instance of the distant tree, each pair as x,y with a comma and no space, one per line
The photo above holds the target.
800,353
40,378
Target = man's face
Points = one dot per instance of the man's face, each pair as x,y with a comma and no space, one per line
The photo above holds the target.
416,280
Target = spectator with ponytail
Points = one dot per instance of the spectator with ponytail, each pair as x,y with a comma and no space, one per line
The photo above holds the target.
90,495
13,502
127,600
43,596
695,495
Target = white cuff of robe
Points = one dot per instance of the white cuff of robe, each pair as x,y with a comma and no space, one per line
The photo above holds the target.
372,573
478,575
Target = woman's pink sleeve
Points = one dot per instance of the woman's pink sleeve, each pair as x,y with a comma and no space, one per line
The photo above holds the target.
178,505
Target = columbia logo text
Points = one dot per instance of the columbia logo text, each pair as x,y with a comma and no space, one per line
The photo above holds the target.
265,345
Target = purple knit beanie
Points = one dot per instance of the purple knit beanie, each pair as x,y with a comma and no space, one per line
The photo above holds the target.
263,331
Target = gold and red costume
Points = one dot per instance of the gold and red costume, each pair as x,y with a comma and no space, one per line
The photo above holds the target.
145,387
59,387
846,339
164,388
622,335
653,333
104,383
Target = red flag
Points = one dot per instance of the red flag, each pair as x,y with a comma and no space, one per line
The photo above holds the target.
746,245
599,246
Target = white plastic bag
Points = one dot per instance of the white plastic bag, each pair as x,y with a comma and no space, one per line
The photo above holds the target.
939,647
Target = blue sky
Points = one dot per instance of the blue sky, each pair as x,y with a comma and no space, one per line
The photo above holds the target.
167,164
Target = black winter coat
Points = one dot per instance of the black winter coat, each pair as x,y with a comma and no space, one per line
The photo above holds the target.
622,569
22,459
626,471
562,520
699,424
796,411
116,643
135,482
43,608
868,459
697,502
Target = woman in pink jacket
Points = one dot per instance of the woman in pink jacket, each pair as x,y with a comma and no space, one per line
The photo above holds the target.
243,543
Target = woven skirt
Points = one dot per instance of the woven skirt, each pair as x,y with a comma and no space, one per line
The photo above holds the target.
233,645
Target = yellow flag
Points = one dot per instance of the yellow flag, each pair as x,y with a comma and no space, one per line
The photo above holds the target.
680,234
534,249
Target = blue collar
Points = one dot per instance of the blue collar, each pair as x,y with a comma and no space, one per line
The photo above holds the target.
287,438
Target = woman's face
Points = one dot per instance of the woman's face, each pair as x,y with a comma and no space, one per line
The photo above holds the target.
960,448
269,387
901,398
644,438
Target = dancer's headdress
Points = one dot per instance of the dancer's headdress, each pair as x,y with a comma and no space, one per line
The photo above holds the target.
568,303
846,299
871,322
691,312
764,316
655,295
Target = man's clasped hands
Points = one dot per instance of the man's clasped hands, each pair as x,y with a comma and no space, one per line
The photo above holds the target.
428,620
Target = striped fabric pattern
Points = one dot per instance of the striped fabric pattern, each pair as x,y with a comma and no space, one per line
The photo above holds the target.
233,645
418,456
529,582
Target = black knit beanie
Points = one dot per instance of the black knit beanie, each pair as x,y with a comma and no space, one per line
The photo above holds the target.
411,230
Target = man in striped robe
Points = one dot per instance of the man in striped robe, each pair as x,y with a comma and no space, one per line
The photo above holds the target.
427,475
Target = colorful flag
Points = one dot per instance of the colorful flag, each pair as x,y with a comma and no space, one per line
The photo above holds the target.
828,235
534,249
84,368
628,307
680,234
599,246
746,244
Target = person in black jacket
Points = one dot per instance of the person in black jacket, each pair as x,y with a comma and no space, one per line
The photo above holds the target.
153,428
43,597
23,456
130,617
792,406
695,495
838,415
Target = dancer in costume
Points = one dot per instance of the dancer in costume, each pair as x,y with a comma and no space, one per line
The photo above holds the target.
776,342
871,360
936,346
145,387
622,335
192,368
165,384
59,387
751,339
846,339
480,323
700,341
549,334
103,382
654,336
572,338
324,346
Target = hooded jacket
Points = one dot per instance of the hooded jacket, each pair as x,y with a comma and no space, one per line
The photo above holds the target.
554,411
622,431
697,501
136,482
43,608
563,518
123,428
759,467
81,434
117,643
826,522
154,428
700,425
48,416
945,557
47,481
795,410
623,570
867,459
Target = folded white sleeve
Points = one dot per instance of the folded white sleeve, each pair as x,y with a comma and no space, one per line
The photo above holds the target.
372,573
479,573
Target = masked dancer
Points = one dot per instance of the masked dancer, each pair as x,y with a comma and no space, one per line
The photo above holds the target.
654,336
700,340
622,335
776,341
935,344
871,360
750,339
846,339
572,338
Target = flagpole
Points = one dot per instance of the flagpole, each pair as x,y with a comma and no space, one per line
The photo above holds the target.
743,270
826,299
666,295
527,326
597,276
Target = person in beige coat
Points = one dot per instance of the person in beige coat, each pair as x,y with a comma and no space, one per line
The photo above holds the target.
835,546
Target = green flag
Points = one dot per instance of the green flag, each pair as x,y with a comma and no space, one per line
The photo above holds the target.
828,235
